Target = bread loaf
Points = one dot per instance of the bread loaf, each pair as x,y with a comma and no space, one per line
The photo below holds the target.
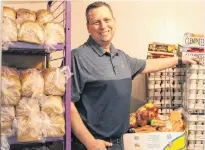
52,105
44,16
6,128
54,33
32,32
27,107
25,15
9,13
53,126
10,87
55,81
32,83
9,30
7,113
29,129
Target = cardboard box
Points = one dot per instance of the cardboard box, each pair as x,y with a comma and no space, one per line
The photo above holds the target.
155,141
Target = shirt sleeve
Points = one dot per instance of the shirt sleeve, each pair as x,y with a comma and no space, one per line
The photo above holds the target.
136,65
78,79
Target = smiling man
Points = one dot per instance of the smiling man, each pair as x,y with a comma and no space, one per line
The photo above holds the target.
102,82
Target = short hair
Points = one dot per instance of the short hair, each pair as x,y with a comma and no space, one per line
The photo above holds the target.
96,5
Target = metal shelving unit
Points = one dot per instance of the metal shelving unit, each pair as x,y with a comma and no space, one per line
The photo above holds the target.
29,49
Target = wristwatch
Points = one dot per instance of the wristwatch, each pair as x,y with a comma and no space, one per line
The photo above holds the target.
180,62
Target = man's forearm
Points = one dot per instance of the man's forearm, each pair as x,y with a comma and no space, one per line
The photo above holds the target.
78,127
154,65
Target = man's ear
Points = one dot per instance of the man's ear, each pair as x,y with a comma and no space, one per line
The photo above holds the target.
87,24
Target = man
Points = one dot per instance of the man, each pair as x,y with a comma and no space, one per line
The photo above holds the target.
102,82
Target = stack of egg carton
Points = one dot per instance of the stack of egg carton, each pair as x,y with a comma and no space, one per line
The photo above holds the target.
165,89
194,99
193,92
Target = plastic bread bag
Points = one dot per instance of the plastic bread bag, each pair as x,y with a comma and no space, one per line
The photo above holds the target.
55,80
54,34
31,31
28,106
9,32
53,126
9,13
25,15
7,113
6,128
44,16
29,128
10,86
4,143
52,105
32,83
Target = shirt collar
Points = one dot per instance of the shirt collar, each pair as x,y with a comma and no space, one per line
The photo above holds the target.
98,49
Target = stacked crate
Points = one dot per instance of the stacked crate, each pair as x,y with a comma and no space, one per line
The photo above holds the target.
165,87
194,93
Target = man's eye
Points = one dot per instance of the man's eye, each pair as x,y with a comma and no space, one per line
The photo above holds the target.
96,22
107,20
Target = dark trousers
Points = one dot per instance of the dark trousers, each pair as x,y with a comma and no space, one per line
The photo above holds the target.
116,144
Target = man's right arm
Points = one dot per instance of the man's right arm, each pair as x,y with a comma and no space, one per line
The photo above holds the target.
82,133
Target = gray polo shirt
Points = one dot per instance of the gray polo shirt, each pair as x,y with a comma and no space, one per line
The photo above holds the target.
101,87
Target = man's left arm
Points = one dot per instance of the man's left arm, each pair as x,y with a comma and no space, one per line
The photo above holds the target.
154,65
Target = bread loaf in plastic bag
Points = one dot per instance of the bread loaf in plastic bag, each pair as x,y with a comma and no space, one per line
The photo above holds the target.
32,83
55,80
9,13
7,113
6,128
53,126
25,15
44,16
32,32
52,105
29,128
54,34
9,32
27,106
10,86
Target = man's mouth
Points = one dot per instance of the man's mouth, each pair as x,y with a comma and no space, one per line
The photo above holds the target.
105,32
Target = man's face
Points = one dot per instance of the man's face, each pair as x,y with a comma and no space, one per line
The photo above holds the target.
101,25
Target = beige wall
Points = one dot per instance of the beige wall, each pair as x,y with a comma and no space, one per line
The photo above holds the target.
140,22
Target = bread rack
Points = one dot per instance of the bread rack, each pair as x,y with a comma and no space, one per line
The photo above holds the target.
61,11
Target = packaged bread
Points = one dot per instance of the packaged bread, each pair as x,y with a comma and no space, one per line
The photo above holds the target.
7,113
55,80
8,71
27,106
6,128
52,105
54,33
29,128
32,83
44,16
32,32
174,123
9,30
10,86
9,13
53,126
25,15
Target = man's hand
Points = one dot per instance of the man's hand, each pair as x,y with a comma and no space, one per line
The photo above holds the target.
98,145
191,60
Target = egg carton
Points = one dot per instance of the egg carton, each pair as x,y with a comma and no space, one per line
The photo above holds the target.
165,111
197,115
195,135
196,67
195,125
195,145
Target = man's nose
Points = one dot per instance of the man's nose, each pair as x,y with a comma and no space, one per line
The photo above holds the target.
103,24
